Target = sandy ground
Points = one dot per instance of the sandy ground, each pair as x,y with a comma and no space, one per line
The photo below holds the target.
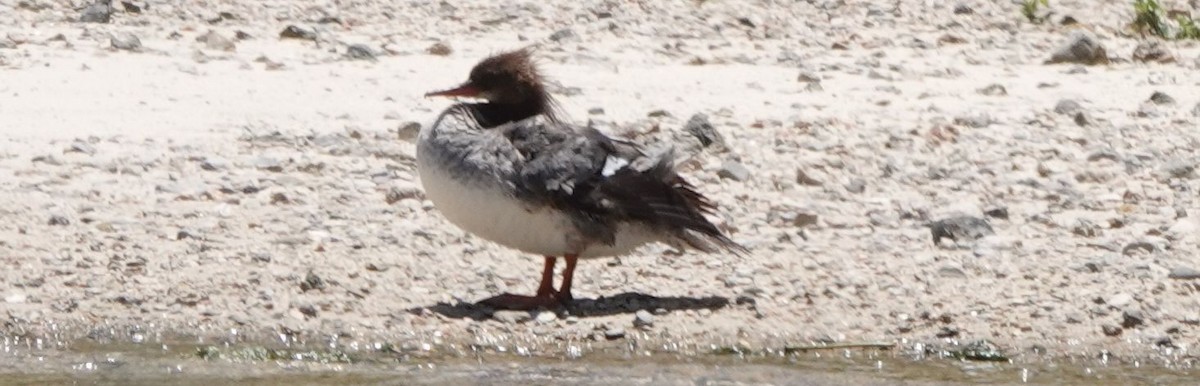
266,186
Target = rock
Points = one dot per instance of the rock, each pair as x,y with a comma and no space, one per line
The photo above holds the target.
1132,318
564,35
98,12
808,77
58,220
951,272
360,52
596,111
993,90
409,131
1161,98
1196,110
213,40
81,147
963,9
546,317
962,228
1152,51
401,190
804,178
1000,213
130,7
1139,246
312,282
643,318
1085,228
1180,168
613,333
699,127
856,185
511,317
439,49
125,41
1067,107
1111,330
1083,119
978,121
1081,47
734,170
1119,300
297,32
214,163
1184,273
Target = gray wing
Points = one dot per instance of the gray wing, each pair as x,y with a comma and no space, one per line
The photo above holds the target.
598,182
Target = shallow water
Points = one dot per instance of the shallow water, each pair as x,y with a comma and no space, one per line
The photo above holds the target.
124,363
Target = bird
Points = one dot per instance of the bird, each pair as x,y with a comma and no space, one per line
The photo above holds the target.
504,165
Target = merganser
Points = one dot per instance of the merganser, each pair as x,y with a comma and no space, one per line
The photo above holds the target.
510,170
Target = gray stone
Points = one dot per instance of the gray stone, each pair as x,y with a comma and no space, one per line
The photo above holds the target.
643,318
856,185
546,317
214,40
978,120
1132,318
82,147
1152,51
1111,330
993,90
511,317
1161,98
963,9
125,41
58,220
613,333
952,272
962,228
360,52
734,170
98,12
1184,273
1082,48
1196,110
409,131
1180,168
1119,300
564,35
699,127
297,32
1067,107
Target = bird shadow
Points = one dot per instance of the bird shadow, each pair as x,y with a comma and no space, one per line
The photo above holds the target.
626,303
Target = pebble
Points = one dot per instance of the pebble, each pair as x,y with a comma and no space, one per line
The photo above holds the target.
58,220
993,90
297,32
98,12
1132,318
214,40
1068,107
1152,50
734,170
1161,98
125,41
1184,273
1082,48
1119,300
439,49
546,317
360,52
511,317
643,318
1196,110
564,35
1111,330
613,333
961,228
699,127
856,185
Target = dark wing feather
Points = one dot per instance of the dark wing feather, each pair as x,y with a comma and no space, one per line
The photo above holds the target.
565,166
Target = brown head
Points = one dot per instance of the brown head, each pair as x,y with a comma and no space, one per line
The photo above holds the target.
512,86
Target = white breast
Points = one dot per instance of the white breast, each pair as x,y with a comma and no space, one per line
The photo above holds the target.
487,211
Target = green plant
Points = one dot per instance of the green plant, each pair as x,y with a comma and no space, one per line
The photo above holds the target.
1148,17
1187,28
1029,8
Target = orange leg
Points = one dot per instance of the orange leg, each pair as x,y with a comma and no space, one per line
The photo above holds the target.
564,293
545,297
